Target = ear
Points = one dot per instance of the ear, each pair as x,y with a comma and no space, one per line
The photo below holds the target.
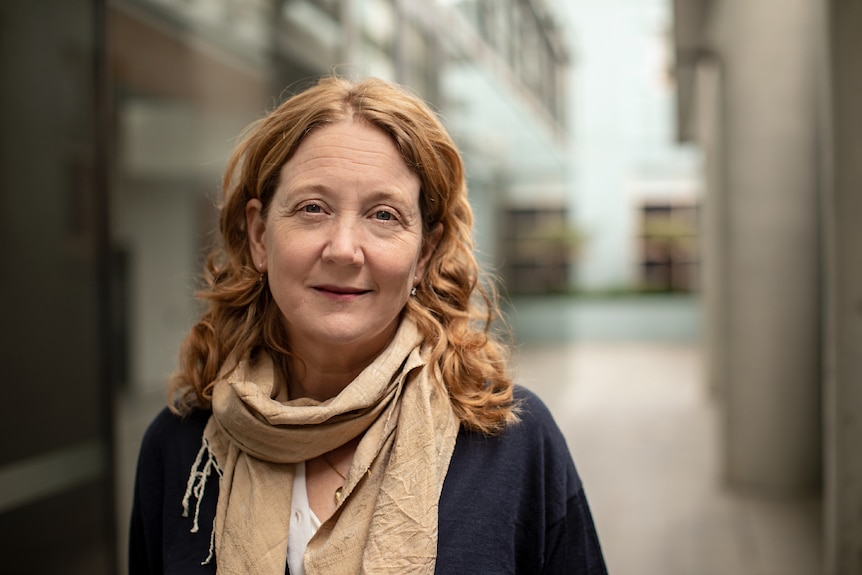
255,227
428,248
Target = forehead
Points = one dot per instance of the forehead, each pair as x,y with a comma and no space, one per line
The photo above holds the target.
351,151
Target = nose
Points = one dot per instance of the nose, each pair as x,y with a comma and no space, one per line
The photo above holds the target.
343,245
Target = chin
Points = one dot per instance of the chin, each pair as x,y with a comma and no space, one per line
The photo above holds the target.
358,335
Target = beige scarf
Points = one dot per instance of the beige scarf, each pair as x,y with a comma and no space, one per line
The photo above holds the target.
387,521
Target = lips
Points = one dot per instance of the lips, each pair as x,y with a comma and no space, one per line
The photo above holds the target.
340,290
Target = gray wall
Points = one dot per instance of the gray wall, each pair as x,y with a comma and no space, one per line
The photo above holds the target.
842,213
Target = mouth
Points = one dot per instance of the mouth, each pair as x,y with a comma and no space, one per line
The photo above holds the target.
340,291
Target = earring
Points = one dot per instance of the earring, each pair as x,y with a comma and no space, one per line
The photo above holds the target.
413,291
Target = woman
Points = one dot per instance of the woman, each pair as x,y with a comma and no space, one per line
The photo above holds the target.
342,406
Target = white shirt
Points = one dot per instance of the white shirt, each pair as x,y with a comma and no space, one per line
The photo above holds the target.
303,523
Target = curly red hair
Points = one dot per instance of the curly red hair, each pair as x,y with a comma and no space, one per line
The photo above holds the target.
453,309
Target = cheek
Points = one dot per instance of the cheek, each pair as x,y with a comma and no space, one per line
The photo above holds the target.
286,250
397,266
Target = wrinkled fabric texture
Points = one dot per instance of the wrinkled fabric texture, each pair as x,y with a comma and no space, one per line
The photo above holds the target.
387,522
511,502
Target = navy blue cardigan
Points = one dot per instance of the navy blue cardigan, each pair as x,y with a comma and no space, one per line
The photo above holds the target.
511,503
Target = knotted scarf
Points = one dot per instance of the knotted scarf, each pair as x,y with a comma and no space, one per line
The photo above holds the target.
387,521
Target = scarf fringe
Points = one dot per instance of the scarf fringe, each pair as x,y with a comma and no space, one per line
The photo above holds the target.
196,486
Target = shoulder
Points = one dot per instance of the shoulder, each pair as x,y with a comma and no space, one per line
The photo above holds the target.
534,443
171,440
514,503
536,418
532,448
167,425
161,536
169,447
168,451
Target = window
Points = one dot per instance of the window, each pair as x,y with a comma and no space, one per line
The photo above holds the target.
537,249
668,246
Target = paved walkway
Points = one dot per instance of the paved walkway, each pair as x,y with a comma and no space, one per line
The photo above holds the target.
643,433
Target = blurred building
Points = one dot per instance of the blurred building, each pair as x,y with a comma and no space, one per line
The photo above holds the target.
635,189
118,117
771,93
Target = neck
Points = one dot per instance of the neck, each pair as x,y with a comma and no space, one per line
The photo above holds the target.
319,382
321,372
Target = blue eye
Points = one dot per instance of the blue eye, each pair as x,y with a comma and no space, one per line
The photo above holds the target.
383,215
311,209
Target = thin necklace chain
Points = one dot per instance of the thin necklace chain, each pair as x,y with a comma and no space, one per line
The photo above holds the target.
335,469
339,493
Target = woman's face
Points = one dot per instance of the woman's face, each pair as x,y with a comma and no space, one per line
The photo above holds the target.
342,242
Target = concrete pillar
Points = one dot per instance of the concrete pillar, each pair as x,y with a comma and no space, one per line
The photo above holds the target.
769,241
842,211
713,293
